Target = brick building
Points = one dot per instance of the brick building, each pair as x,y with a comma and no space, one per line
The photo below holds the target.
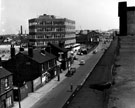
6,88
31,69
61,54
48,28
126,19
88,38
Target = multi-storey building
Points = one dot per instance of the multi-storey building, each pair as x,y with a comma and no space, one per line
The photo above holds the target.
48,28
126,19
6,88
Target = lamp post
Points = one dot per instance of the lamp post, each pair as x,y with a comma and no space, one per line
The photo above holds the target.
19,96
60,59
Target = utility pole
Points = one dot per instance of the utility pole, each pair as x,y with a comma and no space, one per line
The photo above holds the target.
60,59
19,96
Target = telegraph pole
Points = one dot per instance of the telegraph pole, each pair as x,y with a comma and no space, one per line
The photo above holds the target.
19,99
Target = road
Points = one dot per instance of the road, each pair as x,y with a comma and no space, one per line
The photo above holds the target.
60,94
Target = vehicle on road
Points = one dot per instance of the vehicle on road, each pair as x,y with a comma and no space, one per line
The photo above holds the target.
94,52
82,62
75,58
71,71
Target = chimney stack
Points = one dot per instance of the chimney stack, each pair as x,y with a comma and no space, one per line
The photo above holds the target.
43,51
0,62
30,51
21,30
12,51
48,48
21,48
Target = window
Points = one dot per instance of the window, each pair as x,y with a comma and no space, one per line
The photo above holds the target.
42,67
63,29
48,36
48,29
62,35
40,43
40,36
9,101
48,22
41,23
6,83
32,23
40,29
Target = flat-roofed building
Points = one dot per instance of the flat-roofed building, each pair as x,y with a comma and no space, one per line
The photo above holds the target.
48,28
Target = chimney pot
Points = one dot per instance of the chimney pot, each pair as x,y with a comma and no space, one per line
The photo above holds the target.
12,51
30,51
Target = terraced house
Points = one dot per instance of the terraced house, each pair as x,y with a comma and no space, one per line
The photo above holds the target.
31,69
48,28
6,88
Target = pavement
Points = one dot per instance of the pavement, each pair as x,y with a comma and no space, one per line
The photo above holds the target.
52,88
122,93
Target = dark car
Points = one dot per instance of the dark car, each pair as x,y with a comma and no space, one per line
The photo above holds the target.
82,62
71,71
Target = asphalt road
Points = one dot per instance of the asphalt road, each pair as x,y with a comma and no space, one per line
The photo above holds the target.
57,97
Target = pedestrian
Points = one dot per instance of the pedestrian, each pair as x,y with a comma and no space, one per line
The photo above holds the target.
71,87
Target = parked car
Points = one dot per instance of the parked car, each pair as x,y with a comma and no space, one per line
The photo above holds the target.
82,62
94,52
84,51
71,71
79,53
75,58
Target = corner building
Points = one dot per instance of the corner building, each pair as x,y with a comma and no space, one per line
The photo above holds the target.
48,28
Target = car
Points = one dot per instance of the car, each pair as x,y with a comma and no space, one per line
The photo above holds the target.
94,52
82,62
84,51
71,71
79,53
75,58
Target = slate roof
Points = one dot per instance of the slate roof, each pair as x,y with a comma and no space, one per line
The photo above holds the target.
40,57
4,72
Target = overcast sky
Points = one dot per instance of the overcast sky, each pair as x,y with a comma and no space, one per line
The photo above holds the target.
88,14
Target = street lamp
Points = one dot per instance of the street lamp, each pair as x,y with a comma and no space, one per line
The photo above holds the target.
60,59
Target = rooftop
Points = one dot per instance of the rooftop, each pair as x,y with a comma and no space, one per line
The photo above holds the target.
39,56
4,72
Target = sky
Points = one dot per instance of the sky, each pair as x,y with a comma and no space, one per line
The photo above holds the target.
88,14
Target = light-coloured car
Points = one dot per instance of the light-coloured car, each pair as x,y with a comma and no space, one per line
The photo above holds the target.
82,62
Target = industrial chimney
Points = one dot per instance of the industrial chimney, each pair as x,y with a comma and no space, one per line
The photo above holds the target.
21,30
